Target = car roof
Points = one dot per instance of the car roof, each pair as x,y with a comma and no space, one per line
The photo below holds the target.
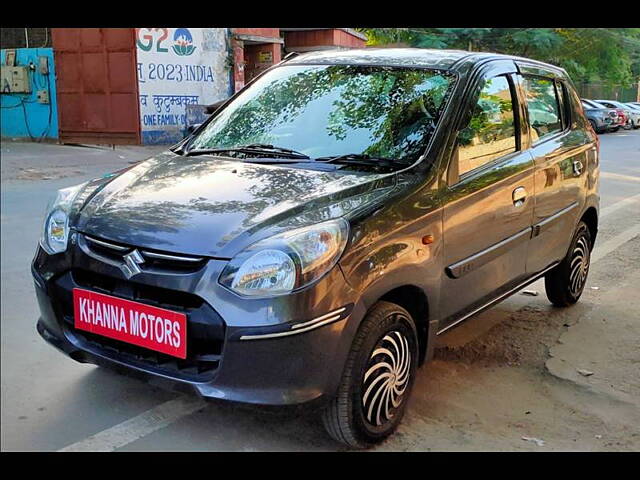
418,57
407,57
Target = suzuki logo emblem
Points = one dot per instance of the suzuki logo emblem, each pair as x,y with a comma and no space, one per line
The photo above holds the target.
132,263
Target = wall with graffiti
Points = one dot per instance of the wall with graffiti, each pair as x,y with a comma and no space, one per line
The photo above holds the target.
178,67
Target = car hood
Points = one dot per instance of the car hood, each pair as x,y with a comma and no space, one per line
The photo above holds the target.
215,207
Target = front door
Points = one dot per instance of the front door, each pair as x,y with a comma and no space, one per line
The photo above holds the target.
489,209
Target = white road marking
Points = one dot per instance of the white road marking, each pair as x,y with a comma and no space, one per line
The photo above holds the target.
618,176
139,426
618,205
604,249
166,413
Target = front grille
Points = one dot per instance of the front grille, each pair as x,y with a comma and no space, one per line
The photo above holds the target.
154,261
139,292
205,327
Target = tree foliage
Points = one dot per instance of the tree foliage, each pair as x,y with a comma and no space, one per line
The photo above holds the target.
610,56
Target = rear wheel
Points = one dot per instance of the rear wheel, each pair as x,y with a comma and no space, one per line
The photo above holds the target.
564,283
377,379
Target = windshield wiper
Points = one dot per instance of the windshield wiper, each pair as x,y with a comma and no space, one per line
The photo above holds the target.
265,146
363,159
252,149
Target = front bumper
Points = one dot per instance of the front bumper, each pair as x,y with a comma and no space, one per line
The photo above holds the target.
238,349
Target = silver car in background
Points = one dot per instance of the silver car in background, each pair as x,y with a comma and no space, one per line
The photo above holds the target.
633,116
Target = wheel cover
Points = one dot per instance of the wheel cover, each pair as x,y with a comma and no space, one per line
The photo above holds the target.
579,267
386,378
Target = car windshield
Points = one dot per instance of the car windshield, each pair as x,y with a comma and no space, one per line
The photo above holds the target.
324,111
593,104
609,104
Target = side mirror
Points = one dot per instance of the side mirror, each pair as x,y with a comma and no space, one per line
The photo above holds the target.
192,128
214,106
197,115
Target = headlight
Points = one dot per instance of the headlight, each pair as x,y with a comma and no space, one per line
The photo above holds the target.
56,221
286,262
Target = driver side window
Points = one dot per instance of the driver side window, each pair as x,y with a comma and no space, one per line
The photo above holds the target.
491,132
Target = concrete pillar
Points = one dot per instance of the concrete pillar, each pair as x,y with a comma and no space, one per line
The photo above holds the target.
238,64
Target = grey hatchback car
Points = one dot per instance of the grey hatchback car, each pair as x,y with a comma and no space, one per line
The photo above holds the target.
311,239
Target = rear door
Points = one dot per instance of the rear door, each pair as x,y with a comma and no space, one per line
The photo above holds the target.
560,146
489,206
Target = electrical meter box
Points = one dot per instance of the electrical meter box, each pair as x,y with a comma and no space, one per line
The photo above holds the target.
14,79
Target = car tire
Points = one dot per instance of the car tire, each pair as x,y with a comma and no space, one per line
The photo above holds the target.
565,283
595,127
366,410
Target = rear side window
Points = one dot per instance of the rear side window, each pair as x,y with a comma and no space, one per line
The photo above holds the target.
544,107
491,133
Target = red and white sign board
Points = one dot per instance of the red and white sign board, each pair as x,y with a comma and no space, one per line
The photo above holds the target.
132,322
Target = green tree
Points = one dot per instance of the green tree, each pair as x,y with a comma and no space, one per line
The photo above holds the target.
610,56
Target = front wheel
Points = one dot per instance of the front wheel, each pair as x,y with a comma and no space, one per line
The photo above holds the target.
564,283
377,379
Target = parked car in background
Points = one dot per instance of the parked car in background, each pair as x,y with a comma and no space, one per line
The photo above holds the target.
617,120
601,119
632,117
634,106
312,238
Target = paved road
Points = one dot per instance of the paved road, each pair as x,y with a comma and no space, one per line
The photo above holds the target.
508,374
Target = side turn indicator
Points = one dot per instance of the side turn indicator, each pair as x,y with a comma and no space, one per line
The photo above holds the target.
427,239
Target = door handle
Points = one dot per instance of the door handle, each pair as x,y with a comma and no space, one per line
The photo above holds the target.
577,167
519,196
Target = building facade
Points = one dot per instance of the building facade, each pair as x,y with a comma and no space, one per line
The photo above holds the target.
143,85
28,94
177,68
